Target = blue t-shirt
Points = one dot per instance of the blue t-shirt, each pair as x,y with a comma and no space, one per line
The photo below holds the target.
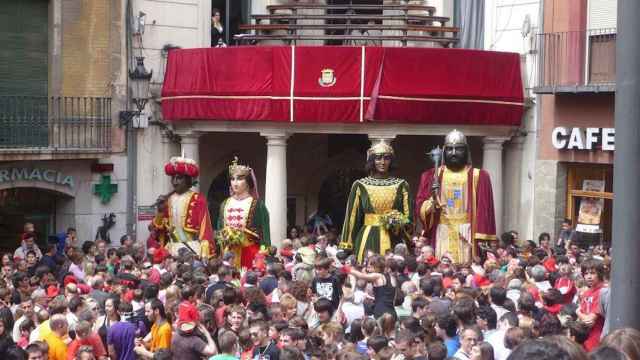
361,347
122,336
452,345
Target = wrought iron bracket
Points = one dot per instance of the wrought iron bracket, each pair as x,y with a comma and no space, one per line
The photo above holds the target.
126,117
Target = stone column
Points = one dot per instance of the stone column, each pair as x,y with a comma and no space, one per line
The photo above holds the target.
189,147
492,163
276,185
165,156
513,185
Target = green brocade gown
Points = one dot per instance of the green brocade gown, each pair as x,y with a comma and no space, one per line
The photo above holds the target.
369,200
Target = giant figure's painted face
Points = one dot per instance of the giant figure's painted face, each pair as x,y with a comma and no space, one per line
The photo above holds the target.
455,156
239,184
382,162
181,183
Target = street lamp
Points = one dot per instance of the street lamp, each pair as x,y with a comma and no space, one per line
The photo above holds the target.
139,80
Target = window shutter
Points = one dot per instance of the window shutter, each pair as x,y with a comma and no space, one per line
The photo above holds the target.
24,51
602,14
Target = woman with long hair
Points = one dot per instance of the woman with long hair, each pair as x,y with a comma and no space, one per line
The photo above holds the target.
388,326
6,342
110,317
482,351
384,285
216,28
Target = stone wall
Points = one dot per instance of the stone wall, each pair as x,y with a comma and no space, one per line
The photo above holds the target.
550,197
86,47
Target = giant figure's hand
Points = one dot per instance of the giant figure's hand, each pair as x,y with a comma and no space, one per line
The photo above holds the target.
435,189
435,194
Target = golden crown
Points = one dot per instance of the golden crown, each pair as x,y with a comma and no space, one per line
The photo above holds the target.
380,148
235,169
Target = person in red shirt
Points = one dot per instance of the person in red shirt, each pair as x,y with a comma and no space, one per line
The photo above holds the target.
589,310
187,310
564,283
84,336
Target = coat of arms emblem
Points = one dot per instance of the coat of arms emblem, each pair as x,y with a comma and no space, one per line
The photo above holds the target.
327,78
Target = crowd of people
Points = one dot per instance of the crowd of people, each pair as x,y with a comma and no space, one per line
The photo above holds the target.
308,299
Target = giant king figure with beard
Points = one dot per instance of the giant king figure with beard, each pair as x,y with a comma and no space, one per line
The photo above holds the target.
455,203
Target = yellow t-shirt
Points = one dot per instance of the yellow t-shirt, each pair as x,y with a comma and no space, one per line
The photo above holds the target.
160,337
45,330
57,347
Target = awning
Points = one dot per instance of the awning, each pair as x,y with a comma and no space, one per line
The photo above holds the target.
340,84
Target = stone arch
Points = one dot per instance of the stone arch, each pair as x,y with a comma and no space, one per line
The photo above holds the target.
217,192
41,204
334,193
331,182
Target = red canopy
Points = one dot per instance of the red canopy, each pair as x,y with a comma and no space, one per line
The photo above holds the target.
343,84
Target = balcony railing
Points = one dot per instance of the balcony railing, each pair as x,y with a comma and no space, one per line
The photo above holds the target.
576,61
74,124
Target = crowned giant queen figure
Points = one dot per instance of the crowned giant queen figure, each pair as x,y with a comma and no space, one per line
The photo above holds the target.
243,221
455,203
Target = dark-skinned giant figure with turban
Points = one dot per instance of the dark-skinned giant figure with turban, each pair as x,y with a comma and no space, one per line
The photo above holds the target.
455,203
187,212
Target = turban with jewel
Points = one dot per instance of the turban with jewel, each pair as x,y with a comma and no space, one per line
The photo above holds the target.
181,166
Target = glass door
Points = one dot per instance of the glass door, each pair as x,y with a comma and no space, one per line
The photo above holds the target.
233,13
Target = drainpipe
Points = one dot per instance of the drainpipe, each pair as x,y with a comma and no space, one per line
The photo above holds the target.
132,140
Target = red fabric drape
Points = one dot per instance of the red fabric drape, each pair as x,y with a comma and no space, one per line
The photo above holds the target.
410,85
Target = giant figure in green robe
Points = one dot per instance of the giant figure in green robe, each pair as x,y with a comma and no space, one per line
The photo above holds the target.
378,213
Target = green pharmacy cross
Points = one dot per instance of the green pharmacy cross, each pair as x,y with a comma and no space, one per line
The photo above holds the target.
105,189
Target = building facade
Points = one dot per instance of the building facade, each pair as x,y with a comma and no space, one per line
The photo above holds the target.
303,169
63,70
512,25
576,95
77,89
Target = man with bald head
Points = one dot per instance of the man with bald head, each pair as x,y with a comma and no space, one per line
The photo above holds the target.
56,338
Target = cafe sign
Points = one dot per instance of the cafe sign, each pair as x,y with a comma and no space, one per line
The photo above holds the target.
584,138
8,175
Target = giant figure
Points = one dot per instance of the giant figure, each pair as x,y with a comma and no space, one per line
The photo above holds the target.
378,208
187,212
243,223
455,203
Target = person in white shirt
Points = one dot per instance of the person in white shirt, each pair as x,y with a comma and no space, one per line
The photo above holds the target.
513,291
496,339
28,244
76,306
27,313
350,307
486,320
497,296
469,337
